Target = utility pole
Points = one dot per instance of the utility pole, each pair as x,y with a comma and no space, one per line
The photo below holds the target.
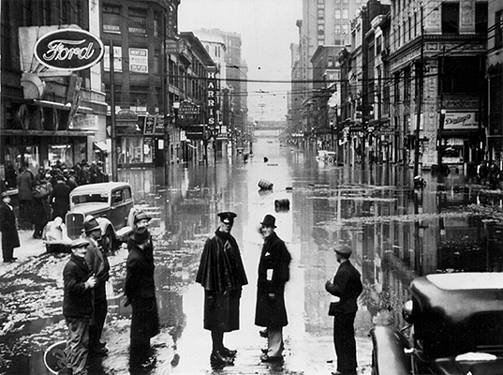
419,72
113,131
165,99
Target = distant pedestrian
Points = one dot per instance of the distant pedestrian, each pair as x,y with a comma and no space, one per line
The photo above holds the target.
97,260
273,273
24,181
60,198
77,308
41,211
8,227
139,289
347,286
482,170
71,179
222,275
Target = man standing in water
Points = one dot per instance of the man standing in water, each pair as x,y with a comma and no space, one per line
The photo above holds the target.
222,274
347,286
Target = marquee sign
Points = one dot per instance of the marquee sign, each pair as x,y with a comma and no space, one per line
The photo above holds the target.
69,49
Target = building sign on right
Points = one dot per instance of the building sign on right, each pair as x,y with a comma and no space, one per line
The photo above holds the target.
460,121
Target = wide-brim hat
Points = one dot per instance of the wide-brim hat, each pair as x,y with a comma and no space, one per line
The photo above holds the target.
343,249
227,217
141,216
79,242
91,224
269,221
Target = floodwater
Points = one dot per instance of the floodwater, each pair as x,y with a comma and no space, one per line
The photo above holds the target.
396,233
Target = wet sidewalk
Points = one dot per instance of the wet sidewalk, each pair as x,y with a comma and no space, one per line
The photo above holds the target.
30,248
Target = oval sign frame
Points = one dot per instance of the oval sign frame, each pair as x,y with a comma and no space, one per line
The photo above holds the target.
77,36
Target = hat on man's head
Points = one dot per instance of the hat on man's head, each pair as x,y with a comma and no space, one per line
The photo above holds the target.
141,215
91,224
227,217
343,249
269,221
79,242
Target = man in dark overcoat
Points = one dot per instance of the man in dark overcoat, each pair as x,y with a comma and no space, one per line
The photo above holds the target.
8,227
222,274
97,260
139,288
24,180
60,198
347,286
273,273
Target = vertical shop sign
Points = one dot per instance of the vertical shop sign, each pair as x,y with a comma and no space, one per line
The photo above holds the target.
212,97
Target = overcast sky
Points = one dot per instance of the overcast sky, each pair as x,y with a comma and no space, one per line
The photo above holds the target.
267,29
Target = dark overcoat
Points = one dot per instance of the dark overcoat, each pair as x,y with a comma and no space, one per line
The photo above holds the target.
139,286
347,285
60,200
41,210
222,274
273,273
77,300
10,237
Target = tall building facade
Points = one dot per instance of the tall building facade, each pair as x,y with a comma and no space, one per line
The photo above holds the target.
137,31
233,83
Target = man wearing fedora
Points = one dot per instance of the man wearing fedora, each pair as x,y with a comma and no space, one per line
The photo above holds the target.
8,227
273,273
347,286
98,262
222,274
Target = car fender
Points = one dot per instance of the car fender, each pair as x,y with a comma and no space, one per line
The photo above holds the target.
388,354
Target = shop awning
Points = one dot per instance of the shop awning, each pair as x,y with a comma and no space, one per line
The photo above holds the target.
101,146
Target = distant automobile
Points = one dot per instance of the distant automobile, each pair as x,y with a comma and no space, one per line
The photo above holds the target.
456,328
328,157
111,203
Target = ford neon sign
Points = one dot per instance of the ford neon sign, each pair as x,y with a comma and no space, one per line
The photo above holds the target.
69,49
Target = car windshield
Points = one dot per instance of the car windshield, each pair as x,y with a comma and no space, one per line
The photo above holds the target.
90,198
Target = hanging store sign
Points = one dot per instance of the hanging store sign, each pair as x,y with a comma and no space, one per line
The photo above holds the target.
460,121
211,103
69,49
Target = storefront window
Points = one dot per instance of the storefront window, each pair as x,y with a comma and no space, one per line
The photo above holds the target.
136,150
61,153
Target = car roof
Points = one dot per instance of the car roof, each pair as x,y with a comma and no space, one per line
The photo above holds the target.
102,186
461,295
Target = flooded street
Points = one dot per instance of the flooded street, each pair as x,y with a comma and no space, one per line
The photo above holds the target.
396,233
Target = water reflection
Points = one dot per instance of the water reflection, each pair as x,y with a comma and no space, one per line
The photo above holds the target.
396,232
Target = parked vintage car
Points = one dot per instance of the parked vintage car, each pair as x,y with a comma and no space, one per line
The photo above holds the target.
111,203
456,327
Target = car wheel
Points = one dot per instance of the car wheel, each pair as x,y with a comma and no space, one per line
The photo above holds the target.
107,241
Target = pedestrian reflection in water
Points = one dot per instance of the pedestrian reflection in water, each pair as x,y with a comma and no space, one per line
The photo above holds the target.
140,294
222,274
